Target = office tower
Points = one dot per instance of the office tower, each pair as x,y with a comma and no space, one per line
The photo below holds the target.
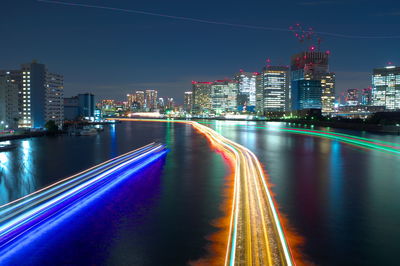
308,69
151,99
9,114
386,87
246,82
273,89
170,103
259,95
80,106
188,101
224,96
366,96
131,98
328,93
86,105
201,97
352,97
139,101
161,103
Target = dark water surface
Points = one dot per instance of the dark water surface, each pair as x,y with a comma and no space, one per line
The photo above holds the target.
345,200
159,216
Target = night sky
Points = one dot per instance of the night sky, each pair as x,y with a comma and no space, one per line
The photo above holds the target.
112,53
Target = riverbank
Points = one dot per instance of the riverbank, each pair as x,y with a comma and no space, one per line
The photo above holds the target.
23,135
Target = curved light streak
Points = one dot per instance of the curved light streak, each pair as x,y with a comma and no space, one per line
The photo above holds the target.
54,199
250,197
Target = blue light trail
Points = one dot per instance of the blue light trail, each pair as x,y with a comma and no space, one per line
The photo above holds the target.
24,217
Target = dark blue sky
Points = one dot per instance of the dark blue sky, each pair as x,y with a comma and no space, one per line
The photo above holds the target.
111,53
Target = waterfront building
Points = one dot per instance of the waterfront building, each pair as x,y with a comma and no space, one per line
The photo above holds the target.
366,96
40,95
80,106
161,103
259,95
86,105
188,101
273,89
386,87
246,82
54,107
201,97
71,108
170,103
308,69
224,96
9,114
352,97
151,100
131,98
328,82
139,100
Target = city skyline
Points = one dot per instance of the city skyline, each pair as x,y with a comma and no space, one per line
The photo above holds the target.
132,66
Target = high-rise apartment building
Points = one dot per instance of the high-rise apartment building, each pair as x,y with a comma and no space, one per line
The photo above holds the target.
151,97
246,82
54,107
386,87
201,97
328,82
188,101
311,81
40,94
273,89
9,114
224,96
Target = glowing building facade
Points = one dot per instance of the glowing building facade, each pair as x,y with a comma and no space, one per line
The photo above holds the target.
224,96
386,87
328,82
246,99
201,92
151,98
273,89
188,101
40,95
312,85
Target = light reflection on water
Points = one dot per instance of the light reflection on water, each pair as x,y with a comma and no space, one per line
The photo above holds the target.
343,199
16,172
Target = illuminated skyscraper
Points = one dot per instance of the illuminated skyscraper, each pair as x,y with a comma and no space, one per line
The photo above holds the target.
151,97
188,101
273,89
139,100
386,87
352,97
246,82
308,69
201,97
328,93
224,96
131,98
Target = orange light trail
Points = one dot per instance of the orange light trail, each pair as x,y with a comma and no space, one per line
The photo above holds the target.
256,236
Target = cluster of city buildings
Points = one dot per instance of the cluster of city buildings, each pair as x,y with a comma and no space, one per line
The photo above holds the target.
283,90
32,95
